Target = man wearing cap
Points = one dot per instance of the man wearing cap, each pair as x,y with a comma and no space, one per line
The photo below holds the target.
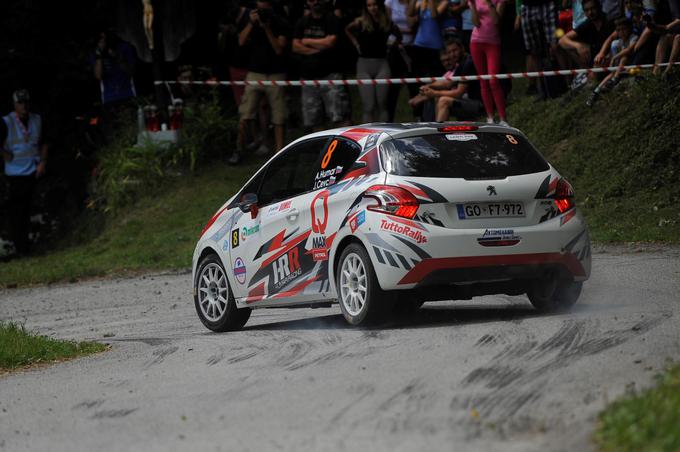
25,156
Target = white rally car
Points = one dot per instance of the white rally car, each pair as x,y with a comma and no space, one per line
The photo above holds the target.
393,215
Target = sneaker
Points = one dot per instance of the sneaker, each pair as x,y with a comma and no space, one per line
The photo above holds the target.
235,158
579,81
262,151
503,123
489,120
592,98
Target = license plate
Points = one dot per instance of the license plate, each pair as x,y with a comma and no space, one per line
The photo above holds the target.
490,210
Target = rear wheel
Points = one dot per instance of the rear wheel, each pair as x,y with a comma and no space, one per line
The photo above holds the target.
554,295
214,299
359,294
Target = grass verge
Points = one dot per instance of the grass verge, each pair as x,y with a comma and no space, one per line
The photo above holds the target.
157,232
647,421
19,348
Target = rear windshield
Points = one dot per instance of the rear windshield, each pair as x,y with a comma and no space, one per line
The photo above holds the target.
469,155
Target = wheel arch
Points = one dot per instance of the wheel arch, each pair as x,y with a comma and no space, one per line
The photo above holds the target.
342,244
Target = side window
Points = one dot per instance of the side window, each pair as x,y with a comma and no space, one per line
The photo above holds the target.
335,161
292,173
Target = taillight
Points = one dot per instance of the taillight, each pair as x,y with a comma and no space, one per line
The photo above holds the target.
211,221
393,201
564,196
458,128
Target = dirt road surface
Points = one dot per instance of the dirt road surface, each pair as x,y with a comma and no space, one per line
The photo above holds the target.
486,374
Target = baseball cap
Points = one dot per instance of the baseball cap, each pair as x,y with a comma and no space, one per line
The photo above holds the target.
21,96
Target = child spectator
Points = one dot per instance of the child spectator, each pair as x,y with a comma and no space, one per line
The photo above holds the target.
369,34
485,47
615,51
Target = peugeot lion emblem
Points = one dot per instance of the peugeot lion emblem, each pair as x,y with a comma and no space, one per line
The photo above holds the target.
492,190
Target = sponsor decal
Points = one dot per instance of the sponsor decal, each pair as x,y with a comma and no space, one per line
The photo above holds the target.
240,270
324,178
461,137
276,208
319,248
235,239
371,140
225,246
407,231
319,210
247,232
286,268
499,237
357,220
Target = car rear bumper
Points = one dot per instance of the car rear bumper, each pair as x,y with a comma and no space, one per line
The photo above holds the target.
439,256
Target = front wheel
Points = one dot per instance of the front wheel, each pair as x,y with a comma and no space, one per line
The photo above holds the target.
359,295
554,295
214,300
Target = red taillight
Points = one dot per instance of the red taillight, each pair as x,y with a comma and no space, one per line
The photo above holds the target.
393,201
211,221
564,196
457,129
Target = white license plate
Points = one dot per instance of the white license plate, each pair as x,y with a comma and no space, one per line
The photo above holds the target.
490,210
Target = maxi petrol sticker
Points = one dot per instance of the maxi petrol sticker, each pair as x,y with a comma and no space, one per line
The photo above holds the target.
240,270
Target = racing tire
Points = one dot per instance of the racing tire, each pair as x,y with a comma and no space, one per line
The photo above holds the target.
214,299
554,295
361,299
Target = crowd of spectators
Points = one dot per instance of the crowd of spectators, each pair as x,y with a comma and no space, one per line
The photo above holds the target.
331,40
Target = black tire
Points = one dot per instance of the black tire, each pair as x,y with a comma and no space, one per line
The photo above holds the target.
376,300
554,295
215,314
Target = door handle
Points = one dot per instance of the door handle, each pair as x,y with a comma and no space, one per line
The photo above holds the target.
292,215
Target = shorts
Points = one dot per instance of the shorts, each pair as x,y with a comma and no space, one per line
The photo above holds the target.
539,24
276,97
333,100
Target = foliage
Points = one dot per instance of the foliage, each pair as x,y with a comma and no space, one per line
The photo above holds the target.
621,156
128,169
646,421
20,348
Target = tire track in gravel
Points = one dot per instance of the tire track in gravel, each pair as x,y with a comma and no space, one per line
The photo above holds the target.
517,376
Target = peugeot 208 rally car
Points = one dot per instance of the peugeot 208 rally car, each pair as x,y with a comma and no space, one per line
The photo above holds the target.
393,215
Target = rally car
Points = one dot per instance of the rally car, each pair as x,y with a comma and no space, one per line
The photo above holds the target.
388,216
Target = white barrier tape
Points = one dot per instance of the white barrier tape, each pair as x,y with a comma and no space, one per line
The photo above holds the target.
402,81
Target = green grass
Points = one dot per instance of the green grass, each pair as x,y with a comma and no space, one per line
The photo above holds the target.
158,232
19,348
622,156
648,421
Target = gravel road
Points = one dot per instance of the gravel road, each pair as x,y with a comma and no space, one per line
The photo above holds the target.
487,374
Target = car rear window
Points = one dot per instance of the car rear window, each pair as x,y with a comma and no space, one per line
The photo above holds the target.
470,155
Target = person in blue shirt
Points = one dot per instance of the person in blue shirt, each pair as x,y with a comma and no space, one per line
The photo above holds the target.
25,156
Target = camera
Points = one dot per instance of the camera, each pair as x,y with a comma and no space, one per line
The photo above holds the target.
264,15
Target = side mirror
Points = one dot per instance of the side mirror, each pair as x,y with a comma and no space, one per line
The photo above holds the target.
248,200
249,204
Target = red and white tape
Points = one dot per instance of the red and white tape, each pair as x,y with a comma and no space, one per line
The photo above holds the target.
403,81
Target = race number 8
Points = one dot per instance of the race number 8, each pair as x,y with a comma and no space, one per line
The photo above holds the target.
234,238
329,153
511,139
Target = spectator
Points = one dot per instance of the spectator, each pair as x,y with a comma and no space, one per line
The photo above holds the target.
228,38
314,42
538,19
421,98
114,66
369,34
451,20
485,47
263,39
25,155
460,99
428,41
615,51
582,43
466,20
400,57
